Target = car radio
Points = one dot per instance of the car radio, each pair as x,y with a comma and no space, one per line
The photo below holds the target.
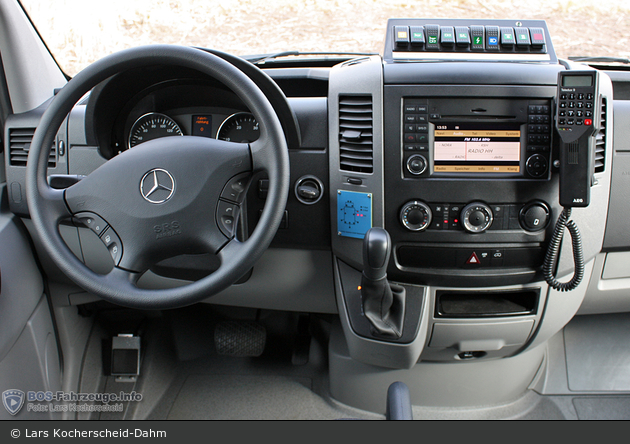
476,137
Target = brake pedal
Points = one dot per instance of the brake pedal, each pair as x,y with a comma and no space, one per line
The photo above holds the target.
240,338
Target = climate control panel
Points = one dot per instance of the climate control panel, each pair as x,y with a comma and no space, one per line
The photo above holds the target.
474,217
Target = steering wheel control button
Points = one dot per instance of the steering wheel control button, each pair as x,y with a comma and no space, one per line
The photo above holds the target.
94,222
236,187
476,217
227,217
113,244
534,217
157,186
416,216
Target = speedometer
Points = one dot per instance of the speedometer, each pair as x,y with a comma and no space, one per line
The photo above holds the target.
239,127
152,126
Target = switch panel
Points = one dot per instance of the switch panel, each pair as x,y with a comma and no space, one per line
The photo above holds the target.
470,40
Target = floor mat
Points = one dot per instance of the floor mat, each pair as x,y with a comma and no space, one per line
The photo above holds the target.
598,353
603,408
229,397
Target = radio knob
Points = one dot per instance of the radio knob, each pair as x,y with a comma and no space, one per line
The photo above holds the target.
476,217
416,216
416,164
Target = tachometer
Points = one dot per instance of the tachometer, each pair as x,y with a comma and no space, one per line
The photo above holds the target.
152,126
239,127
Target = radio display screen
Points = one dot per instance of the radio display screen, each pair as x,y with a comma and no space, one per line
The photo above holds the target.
477,148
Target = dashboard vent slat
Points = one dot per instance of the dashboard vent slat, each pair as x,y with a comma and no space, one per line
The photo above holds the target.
600,142
356,144
20,144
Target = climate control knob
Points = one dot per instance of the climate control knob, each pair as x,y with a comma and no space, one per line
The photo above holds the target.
476,217
416,215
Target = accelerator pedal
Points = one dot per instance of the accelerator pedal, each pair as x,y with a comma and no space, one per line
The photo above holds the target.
240,338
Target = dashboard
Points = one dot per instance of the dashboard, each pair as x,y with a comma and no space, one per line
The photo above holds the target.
449,141
167,104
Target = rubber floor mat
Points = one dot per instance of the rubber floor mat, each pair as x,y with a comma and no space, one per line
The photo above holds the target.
235,397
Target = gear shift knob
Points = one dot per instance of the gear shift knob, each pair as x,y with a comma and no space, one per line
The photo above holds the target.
377,247
383,304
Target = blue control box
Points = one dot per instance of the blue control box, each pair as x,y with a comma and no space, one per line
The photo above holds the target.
354,213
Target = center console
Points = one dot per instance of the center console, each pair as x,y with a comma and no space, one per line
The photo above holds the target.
468,181
449,143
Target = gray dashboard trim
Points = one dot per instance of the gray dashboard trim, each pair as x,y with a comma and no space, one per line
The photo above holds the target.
20,296
617,236
360,77
31,72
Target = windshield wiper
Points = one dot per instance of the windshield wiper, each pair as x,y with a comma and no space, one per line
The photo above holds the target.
262,59
600,59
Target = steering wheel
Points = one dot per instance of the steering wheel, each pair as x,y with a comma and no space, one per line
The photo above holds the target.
164,197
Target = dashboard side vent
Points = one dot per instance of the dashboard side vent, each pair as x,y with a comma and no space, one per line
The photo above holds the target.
600,142
20,144
356,134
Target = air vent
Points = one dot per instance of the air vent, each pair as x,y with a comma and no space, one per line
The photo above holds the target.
20,144
600,142
355,134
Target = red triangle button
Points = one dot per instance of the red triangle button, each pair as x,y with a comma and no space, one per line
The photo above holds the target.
473,259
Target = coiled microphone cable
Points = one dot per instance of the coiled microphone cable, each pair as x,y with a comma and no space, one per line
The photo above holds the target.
553,253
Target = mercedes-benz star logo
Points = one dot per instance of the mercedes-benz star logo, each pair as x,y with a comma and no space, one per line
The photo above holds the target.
157,186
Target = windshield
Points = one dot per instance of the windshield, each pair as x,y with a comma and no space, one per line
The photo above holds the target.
78,32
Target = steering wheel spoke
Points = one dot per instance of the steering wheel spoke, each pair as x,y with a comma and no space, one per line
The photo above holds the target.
55,204
123,278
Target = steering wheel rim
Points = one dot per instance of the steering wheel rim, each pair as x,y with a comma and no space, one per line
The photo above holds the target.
48,206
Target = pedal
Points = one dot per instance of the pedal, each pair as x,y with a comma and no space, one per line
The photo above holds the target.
125,363
240,338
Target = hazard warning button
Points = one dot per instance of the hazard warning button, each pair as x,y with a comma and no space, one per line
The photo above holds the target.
473,259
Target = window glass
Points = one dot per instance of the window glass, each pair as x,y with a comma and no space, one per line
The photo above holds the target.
79,32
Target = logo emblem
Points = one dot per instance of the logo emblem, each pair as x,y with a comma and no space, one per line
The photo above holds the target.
157,186
13,400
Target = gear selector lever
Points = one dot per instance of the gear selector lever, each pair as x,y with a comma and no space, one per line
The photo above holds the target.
383,303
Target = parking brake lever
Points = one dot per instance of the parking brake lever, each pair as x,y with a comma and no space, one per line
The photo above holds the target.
383,303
